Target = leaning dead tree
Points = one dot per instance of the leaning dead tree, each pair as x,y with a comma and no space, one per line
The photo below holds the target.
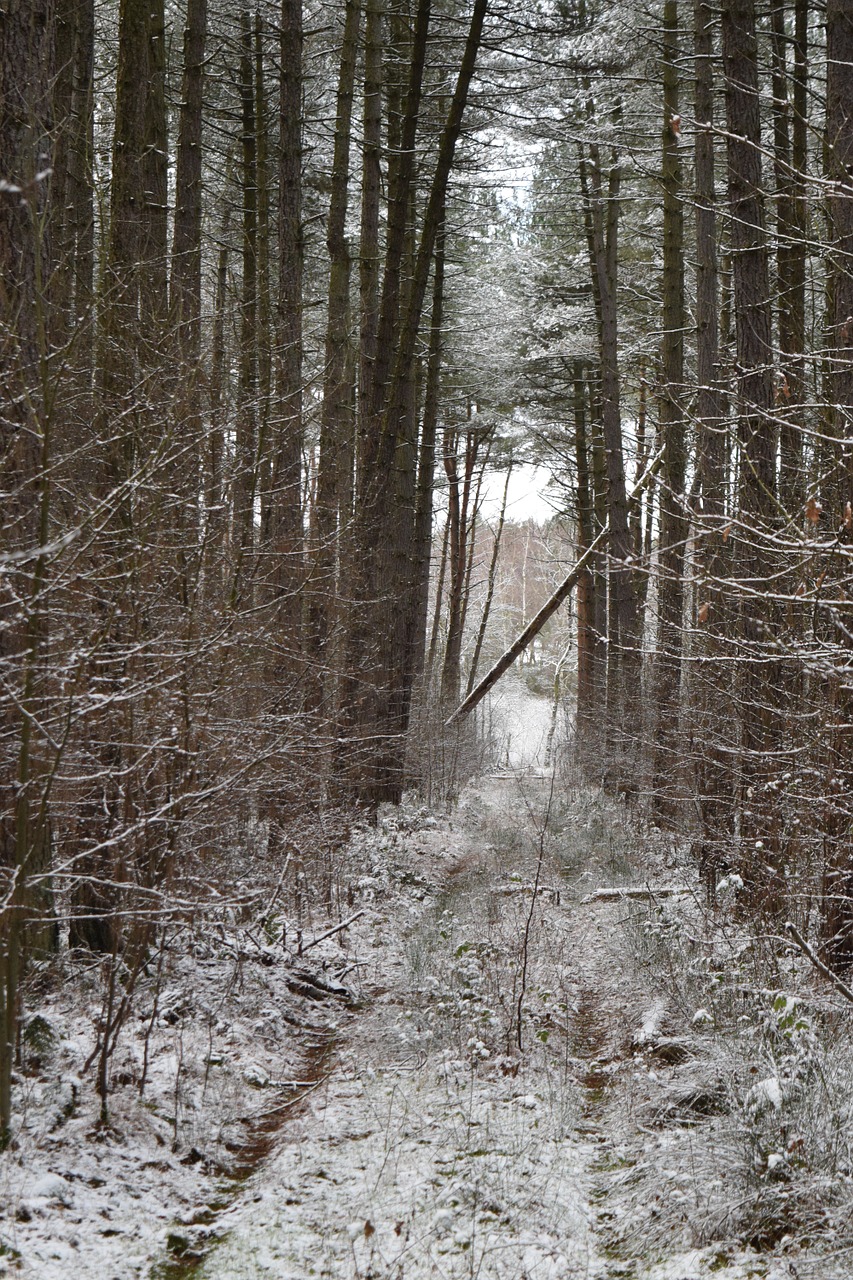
551,605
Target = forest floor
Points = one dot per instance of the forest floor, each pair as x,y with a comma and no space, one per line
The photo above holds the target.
536,1053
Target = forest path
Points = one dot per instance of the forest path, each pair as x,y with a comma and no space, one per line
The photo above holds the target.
420,1155
434,1147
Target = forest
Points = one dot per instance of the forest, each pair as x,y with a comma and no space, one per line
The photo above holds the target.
292,292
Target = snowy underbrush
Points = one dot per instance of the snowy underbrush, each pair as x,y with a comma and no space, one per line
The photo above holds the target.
741,1086
230,1017
490,965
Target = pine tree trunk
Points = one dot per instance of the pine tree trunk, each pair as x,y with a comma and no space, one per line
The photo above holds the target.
26,81
378,685
713,779
838,879
758,681
426,460
245,447
283,506
185,285
335,423
673,521
790,273
588,720
490,586
622,657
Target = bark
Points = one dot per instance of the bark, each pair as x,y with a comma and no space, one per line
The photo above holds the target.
673,521
26,75
247,382
283,514
120,337
758,681
839,152
838,881
185,285
750,273
335,422
65,43
154,294
134,293
371,181
80,240
214,461
588,719
603,221
462,508
399,205
378,686
711,690
264,294
426,460
711,409
439,597
790,263
185,280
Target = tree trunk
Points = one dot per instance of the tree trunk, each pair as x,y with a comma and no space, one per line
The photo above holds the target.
154,287
588,720
185,291
26,81
790,273
490,585
751,284
245,445
622,664
335,422
713,776
377,686
673,521
283,514
758,683
426,459
838,881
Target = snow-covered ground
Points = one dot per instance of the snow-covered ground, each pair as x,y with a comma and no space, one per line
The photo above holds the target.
495,1071
518,725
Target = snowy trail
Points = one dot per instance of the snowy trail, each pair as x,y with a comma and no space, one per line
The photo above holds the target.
413,1161
434,1148
417,1169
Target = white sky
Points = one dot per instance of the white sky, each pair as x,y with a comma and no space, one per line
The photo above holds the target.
529,497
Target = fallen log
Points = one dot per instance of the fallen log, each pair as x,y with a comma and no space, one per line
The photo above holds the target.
648,891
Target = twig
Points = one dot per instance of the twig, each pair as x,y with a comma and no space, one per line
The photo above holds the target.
525,946
337,928
265,917
808,951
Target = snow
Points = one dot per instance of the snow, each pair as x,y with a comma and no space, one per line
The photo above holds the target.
652,1116
438,1172
767,1093
650,1027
